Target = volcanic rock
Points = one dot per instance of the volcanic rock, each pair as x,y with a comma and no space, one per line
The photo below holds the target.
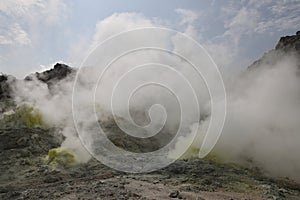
288,45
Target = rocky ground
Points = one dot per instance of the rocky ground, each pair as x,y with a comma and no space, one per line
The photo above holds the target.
25,174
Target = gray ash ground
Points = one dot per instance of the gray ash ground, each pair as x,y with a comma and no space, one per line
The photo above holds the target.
26,175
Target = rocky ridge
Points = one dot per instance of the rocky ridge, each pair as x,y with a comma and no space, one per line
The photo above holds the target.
286,46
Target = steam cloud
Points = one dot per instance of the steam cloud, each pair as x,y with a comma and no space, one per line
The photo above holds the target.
263,116
262,124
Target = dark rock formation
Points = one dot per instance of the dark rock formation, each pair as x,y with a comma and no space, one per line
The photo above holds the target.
288,45
5,86
50,77
59,72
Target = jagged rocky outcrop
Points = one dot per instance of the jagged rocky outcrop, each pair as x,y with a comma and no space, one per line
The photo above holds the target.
58,72
286,46
289,43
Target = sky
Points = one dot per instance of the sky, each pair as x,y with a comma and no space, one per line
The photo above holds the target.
35,34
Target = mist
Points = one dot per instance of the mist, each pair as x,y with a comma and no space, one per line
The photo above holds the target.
262,124
263,108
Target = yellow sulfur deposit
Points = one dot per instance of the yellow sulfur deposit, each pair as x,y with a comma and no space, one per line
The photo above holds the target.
23,116
29,117
61,157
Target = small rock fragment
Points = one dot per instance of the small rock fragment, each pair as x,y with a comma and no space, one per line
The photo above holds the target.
174,194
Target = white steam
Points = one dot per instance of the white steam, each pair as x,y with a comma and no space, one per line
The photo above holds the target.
263,116
262,123
55,107
263,112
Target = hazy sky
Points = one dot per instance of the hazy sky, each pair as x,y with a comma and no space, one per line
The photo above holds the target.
34,34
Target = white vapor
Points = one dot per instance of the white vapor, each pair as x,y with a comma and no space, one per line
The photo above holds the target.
263,116
262,123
